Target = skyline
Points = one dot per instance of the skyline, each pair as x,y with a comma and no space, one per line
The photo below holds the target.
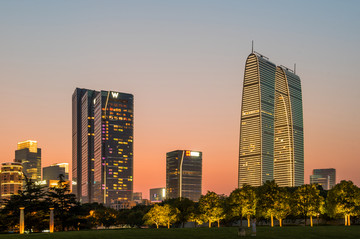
184,57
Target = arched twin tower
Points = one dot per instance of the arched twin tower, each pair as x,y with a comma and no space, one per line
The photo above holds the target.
271,128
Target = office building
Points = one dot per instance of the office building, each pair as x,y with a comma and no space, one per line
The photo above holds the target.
325,177
102,136
271,130
29,155
184,174
11,179
157,194
137,197
256,148
53,171
289,134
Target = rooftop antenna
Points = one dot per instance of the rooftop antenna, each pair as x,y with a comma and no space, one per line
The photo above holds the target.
252,46
295,68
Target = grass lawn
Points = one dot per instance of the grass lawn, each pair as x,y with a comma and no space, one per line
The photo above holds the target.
290,232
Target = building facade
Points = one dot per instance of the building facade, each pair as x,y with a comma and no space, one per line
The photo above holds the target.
271,130
29,155
256,150
157,194
325,177
11,179
184,174
102,146
288,130
53,171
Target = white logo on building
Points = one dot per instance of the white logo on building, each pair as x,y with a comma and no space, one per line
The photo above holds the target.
114,94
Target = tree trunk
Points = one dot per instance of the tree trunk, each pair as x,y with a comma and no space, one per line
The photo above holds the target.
346,217
168,225
305,219
272,220
241,221
157,226
311,223
349,220
280,222
209,224
218,223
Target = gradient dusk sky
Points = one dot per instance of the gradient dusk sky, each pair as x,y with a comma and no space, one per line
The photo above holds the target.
184,62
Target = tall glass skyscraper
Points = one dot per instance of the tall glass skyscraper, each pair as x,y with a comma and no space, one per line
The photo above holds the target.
256,153
184,174
102,146
271,129
289,135
29,155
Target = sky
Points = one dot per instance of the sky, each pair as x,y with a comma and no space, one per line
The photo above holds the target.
184,62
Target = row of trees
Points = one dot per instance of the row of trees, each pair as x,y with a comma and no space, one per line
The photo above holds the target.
268,201
265,202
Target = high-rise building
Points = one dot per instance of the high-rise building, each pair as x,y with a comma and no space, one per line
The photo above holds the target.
29,155
102,145
256,153
157,194
53,171
271,129
11,179
289,134
184,174
325,177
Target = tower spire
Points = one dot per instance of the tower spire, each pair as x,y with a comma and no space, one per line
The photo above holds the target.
252,46
295,68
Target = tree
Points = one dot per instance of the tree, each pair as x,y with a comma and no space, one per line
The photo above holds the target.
268,194
343,200
36,208
282,206
211,208
170,214
306,201
243,202
63,202
185,206
154,216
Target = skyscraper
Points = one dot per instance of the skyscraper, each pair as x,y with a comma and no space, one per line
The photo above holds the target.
325,177
289,135
11,179
29,155
184,174
256,153
102,146
271,129
53,171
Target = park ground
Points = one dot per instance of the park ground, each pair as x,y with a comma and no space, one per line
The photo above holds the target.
293,232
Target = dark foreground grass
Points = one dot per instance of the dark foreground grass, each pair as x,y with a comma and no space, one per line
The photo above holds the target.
291,232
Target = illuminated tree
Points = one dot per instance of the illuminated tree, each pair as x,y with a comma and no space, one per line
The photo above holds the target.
186,208
306,201
170,214
243,202
343,200
154,216
268,194
211,208
282,207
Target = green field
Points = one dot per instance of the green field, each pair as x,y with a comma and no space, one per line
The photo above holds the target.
290,232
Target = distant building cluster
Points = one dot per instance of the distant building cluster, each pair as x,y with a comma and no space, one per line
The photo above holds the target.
27,166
